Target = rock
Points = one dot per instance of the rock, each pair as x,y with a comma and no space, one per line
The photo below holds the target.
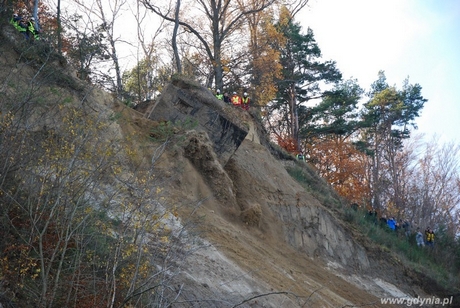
183,102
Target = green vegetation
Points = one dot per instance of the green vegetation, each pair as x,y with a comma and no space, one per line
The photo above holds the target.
435,262
315,185
441,263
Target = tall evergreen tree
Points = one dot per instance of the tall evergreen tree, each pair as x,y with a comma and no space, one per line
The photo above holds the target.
388,115
303,71
337,113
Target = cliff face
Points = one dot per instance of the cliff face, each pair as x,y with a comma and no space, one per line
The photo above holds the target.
306,224
186,103
264,233
260,238
251,180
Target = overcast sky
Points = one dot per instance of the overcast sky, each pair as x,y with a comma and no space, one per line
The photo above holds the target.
419,39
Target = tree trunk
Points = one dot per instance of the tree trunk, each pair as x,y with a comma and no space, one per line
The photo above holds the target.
219,75
36,24
59,27
174,38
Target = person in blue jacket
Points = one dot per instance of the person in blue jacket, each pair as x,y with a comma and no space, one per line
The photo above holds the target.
392,223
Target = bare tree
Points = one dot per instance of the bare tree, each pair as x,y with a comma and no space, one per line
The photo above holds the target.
78,215
295,6
222,17
103,16
142,81
434,191
428,177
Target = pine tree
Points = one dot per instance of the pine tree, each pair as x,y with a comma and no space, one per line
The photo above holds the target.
303,71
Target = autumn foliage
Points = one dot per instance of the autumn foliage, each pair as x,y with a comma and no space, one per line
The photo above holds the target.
287,143
343,166
80,223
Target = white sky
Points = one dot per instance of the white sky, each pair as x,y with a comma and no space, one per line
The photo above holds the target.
419,39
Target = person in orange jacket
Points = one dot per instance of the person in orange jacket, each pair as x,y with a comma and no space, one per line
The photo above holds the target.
235,99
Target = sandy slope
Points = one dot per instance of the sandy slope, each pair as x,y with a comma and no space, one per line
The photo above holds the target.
241,260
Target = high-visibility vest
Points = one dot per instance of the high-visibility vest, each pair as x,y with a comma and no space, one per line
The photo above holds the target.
245,100
31,28
16,22
220,96
236,100
430,237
